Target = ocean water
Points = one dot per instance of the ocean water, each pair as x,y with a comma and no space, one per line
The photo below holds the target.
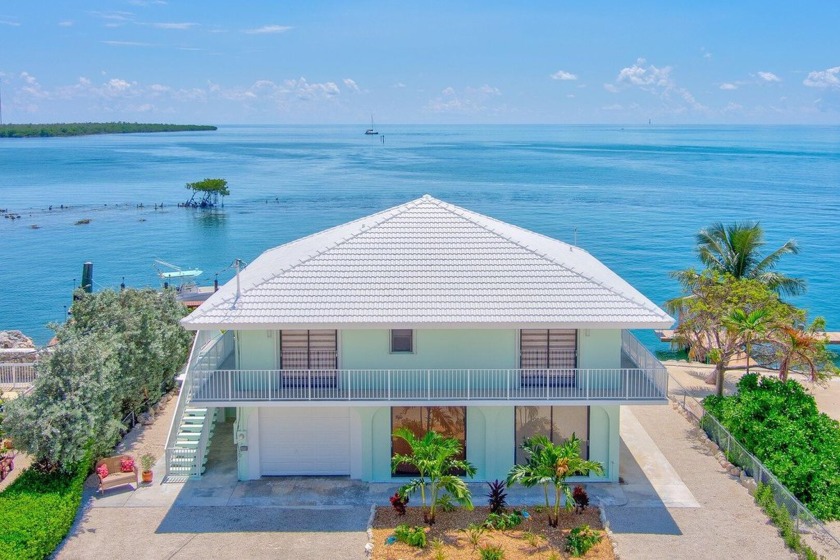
634,197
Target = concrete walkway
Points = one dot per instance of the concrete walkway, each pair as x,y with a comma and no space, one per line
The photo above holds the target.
681,504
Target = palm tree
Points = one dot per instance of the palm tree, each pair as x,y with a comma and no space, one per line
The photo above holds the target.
734,250
748,326
434,457
549,463
801,347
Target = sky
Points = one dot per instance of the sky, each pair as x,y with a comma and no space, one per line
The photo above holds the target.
432,62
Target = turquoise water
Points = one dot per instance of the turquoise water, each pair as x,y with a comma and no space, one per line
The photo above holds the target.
634,197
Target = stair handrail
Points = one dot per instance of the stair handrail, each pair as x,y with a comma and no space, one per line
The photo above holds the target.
203,343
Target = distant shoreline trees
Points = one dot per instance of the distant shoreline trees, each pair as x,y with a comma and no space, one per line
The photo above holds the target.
86,129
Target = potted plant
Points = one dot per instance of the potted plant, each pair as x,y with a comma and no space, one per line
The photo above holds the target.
147,461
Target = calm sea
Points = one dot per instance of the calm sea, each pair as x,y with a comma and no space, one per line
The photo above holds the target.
634,197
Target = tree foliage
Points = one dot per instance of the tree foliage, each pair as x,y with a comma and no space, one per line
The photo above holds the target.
210,191
734,250
434,457
550,464
119,351
710,301
779,423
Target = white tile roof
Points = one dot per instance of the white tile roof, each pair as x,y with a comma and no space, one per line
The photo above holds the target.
427,264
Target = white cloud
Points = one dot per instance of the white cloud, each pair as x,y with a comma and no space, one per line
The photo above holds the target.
645,76
10,22
563,75
728,86
470,100
829,78
398,85
67,23
656,81
178,26
114,18
350,84
117,85
769,77
127,44
268,29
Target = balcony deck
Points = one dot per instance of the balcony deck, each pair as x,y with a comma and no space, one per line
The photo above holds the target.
212,380
452,386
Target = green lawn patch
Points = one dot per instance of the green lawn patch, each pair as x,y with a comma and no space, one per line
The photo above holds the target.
38,511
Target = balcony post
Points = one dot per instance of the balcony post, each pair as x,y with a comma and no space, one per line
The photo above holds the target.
468,383
389,385
428,384
230,385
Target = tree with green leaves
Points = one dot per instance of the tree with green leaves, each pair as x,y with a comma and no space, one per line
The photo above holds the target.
705,309
751,327
735,250
435,458
550,464
210,191
74,406
118,352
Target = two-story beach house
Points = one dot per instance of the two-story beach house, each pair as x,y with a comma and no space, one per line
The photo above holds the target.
427,316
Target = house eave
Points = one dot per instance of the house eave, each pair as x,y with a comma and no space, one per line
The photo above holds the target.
211,326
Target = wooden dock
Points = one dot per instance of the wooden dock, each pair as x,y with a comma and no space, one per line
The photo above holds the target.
667,335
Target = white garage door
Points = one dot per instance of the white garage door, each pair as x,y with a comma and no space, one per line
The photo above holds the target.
305,441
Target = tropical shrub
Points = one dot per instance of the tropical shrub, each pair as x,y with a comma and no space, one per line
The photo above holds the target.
474,533
434,457
412,536
497,497
581,499
581,539
551,464
398,502
503,521
779,423
38,509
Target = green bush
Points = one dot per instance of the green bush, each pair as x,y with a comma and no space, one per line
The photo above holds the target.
781,518
412,536
38,511
491,552
581,539
779,423
503,521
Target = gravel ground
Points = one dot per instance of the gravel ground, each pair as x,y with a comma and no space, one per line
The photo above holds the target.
727,525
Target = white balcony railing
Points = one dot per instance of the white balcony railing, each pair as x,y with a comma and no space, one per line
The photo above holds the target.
369,385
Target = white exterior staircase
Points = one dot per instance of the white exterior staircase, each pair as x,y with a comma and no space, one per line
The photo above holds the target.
192,426
188,457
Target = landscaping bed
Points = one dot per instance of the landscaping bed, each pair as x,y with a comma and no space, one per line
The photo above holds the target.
533,538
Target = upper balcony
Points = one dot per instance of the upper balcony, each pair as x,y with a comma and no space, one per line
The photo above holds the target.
212,381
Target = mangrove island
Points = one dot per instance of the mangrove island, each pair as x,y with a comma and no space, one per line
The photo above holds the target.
84,129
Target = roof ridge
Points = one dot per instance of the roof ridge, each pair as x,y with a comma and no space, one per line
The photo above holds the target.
462,211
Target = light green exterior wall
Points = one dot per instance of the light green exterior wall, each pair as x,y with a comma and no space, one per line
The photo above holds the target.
256,349
490,442
433,349
599,348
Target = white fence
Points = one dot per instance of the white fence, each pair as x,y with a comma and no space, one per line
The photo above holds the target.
17,376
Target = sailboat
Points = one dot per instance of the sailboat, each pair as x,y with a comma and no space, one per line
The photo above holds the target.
371,130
